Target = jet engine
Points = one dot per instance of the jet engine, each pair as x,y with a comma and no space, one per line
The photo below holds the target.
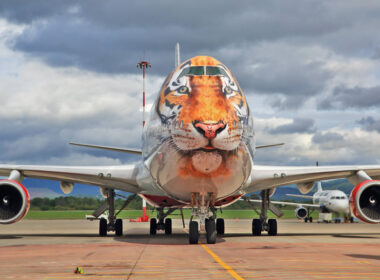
365,201
301,212
272,191
14,201
305,188
66,187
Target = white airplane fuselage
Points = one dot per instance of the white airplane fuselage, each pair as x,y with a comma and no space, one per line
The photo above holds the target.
332,200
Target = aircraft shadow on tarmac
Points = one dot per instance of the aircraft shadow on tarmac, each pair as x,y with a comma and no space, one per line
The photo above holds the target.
343,235
372,257
182,238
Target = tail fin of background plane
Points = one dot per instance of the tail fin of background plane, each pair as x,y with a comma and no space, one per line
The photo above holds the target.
319,186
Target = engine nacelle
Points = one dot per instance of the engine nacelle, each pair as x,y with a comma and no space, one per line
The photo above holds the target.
365,201
301,212
272,191
14,201
66,187
305,188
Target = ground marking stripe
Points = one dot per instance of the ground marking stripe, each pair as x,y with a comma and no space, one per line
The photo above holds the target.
222,263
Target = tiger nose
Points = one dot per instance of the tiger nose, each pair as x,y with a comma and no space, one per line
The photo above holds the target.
209,130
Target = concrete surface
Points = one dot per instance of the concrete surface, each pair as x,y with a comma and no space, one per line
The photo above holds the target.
33,249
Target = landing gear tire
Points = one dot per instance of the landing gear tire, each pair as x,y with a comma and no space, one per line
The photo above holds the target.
119,227
168,226
103,227
193,232
211,231
351,219
256,227
306,219
220,226
311,219
153,226
272,224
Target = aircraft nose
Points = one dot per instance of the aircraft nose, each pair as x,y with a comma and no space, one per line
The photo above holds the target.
342,206
209,130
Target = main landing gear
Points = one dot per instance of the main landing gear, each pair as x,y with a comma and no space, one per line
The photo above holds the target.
111,223
162,223
309,218
265,224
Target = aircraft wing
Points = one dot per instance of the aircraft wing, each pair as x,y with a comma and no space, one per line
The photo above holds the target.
264,177
283,203
119,177
301,196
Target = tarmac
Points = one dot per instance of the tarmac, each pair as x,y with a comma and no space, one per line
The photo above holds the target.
52,249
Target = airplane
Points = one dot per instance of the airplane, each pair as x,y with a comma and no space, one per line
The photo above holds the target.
325,201
198,149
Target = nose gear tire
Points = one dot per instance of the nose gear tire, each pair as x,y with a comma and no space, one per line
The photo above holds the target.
193,232
211,231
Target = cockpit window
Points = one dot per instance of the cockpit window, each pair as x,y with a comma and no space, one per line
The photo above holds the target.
333,197
215,71
203,70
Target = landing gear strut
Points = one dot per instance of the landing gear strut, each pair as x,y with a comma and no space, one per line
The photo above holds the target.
111,223
308,218
265,224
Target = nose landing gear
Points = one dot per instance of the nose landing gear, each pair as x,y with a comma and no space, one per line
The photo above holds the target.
203,207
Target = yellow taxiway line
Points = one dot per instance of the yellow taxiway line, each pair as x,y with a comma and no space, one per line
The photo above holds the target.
222,263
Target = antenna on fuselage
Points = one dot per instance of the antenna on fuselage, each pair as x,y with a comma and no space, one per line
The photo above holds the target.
177,55
143,64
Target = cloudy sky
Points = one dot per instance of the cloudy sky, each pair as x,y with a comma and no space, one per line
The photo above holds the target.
310,71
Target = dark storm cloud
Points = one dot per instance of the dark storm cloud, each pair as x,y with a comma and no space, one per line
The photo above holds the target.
297,126
357,97
80,33
111,36
370,124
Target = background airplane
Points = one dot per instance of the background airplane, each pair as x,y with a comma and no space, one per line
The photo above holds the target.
324,201
198,151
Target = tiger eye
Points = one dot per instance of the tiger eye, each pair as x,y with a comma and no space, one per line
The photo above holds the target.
228,90
183,89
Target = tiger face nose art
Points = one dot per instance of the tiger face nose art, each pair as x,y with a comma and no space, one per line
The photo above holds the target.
209,130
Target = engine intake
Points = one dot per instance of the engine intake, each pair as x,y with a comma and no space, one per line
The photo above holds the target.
365,201
14,201
301,212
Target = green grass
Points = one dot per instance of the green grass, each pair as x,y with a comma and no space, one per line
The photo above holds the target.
128,214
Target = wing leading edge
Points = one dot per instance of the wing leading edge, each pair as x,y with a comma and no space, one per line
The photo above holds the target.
119,177
265,177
